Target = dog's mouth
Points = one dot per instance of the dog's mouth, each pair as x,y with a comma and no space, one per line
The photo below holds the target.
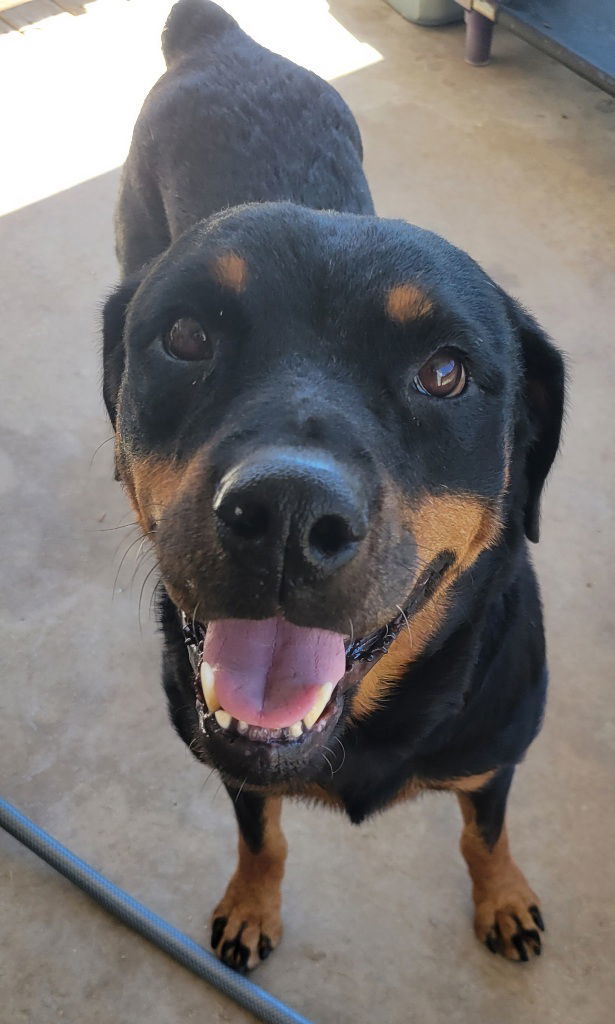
271,682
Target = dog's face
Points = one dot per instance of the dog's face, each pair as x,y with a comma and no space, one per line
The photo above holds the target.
322,421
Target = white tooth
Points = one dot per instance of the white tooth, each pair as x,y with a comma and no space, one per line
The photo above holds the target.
319,705
209,689
242,726
223,719
296,730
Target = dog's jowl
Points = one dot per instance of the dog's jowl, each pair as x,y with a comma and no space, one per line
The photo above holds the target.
335,429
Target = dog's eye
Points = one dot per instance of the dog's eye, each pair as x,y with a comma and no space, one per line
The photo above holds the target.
188,341
442,376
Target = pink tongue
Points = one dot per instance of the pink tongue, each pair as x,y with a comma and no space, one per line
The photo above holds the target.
268,672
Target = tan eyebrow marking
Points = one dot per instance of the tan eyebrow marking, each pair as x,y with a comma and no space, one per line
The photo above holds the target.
406,302
232,271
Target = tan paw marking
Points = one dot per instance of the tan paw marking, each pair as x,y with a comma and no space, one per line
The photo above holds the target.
507,914
245,929
246,925
510,922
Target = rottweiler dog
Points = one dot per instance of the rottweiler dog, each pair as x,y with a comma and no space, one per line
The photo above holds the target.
335,430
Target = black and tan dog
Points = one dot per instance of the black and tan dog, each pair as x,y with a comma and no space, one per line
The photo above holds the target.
335,430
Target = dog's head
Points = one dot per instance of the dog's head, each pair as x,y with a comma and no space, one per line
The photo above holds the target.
322,421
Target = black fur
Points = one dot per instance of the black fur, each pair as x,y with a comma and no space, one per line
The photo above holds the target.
229,123
490,806
307,356
249,811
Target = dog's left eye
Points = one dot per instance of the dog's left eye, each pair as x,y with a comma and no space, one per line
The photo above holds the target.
187,340
442,376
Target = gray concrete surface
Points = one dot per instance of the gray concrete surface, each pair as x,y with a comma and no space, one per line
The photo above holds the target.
514,163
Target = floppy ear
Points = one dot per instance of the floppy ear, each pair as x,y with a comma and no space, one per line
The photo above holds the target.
544,379
114,320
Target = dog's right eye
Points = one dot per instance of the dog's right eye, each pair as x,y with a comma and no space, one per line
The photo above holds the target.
187,340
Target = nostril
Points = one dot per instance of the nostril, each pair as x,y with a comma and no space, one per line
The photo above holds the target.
247,519
330,535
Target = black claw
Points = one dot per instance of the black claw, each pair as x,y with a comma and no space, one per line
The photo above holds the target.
217,930
517,941
264,947
533,938
537,916
241,957
491,943
227,951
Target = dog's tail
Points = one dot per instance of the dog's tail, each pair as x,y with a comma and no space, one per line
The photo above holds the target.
189,23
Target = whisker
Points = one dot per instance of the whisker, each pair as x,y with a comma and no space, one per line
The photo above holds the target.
405,618
111,529
196,608
97,449
338,740
143,585
124,557
210,773
140,550
333,756
140,561
151,600
240,789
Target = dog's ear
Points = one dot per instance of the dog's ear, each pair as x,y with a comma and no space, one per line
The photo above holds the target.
114,321
544,379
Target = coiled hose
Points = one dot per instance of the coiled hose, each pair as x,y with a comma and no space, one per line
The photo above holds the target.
169,939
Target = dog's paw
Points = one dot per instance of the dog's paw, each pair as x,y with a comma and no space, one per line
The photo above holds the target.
244,931
510,923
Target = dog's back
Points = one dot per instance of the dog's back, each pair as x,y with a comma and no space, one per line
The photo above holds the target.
229,123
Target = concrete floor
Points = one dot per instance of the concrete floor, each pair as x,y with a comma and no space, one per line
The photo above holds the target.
515,164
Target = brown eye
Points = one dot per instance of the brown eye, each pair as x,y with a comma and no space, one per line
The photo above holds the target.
442,376
187,340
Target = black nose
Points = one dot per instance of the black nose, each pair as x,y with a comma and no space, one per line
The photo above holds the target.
300,509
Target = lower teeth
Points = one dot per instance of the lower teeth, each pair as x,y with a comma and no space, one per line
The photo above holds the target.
227,722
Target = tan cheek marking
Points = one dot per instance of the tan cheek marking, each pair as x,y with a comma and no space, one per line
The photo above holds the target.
153,483
383,677
231,271
457,523
406,302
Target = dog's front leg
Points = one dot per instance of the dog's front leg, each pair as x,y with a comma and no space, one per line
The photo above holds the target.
507,914
246,924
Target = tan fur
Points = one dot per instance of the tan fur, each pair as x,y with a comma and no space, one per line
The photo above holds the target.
232,271
414,787
467,783
155,482
315,794
406,302
409,791
502,897
459,523
252,901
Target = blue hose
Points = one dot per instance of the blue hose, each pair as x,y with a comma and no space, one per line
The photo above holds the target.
169,939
